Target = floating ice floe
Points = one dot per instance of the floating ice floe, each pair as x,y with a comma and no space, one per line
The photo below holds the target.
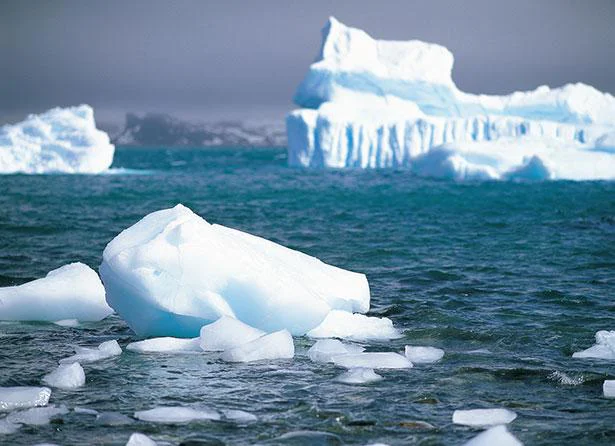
324,350
176,414
239,416
278,345
370,103
483,417
173,272
608,388
6,427
226,333
138,439
36,416
495,436
105,350
346,325
165,345
72,291
603,349
66,376
12,398
62,140
373,360
359,375
423,355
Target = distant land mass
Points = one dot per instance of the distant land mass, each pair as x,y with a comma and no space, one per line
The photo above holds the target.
159,129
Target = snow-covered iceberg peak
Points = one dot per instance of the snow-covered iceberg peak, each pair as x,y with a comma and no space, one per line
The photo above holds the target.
173,272
374,103
61,140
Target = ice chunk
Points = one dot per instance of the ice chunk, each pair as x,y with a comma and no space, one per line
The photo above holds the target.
23,397
60,140
423,355
73,291
603,349
359,375
483,417
227,332
165,345
172,272
239,416
342,324
138,439
608,388
67,323
278,345
324,350
373,360
176,414
497,435
66,376
36,416
105,350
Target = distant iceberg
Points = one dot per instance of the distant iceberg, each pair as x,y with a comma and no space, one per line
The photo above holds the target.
370,103
61,140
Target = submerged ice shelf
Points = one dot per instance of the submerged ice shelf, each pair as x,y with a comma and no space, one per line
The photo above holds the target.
370,103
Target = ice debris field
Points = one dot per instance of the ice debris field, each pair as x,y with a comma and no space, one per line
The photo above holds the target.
369,103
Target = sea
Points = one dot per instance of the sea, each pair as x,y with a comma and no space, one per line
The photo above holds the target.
509,279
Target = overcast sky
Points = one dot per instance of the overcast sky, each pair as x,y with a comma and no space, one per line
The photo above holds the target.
211,59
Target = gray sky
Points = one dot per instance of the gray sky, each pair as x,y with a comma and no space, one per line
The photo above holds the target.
209,59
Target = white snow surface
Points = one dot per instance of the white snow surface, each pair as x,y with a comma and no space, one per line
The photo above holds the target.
173,272
278,345
497,435
226,333
359,375
61,140
165,345
483,417
176,414
105,350
66,376
604,348
72,291
346,325
324,350
12,398
138,439
370,103
423,355
373,360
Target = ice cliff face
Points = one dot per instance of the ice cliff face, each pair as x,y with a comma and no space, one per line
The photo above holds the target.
369,103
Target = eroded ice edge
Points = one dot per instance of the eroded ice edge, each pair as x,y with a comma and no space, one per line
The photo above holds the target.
370,103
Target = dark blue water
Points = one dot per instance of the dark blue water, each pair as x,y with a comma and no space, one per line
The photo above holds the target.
524,273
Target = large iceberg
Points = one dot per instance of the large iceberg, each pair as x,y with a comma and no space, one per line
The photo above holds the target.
172,273
370,103
61,140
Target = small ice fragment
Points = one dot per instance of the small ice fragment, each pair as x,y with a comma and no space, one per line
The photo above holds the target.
138,439
176,414
66,376
483,417
113,419
239,415
6,427
23,397
325,349
278,345
165,345
226,333
67,323
497,435
346,325
36,416
359,375
423,355
603,349
103,351
373,360
85,411
608,388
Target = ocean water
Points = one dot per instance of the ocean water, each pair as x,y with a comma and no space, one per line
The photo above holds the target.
509,279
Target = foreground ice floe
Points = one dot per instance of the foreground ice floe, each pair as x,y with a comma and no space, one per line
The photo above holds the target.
359,375
66,376
495,436
12,398
138,439
603,349
60,140
165,345
176,414
483,417
324,350
423,355
608,388
173,272
277,345
72,291
227,332
376,103
105,350
343,324
373,360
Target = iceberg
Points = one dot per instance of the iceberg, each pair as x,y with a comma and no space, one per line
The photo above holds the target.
66,376
61,140
368,103
423,355
278,345
23,397
173,272
227,333
497,435
105,350
165,345
354,326
359,375
483,417
72,291
604,348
